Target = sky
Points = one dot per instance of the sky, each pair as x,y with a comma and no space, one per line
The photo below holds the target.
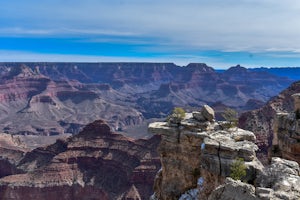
220,33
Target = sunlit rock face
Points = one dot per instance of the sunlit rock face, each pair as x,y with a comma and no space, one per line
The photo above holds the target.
198,154
94,164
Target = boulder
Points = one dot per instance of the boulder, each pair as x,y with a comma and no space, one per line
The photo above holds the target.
264,193
282,176
208,113
198,116
233,190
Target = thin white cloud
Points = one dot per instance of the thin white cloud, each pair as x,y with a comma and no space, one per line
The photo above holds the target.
244,25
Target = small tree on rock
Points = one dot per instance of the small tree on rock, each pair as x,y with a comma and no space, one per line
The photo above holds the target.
176,116
238,169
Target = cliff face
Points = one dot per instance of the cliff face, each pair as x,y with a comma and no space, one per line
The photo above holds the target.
263,121
11,152
198,154
94,164
286,142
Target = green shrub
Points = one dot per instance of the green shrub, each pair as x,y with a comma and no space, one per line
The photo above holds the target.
230,116
238,169
176,116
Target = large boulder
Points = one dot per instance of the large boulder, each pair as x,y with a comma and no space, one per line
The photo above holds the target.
208,113
282,178
233,190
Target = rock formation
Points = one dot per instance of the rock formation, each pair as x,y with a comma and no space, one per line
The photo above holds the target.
264,121
94,164
286,142
32,103
198,154
12,151
280,180
63,97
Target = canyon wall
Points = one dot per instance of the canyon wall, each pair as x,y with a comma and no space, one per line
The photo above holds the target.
94,164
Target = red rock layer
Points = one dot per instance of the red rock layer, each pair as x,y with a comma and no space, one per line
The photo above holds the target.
261,121
94,164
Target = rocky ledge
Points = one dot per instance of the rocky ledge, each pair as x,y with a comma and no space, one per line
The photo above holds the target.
197,154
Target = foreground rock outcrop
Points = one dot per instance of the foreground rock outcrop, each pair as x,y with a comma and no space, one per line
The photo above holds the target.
280,180
94,164
197,154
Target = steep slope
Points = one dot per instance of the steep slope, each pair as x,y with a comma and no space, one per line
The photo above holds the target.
12,151
261,121
197,155
95,164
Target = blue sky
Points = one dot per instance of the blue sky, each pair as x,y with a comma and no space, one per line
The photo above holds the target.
221,33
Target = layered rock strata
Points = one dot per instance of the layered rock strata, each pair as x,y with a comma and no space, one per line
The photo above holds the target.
32,103
94,164
286,142
12,150
198,153
264,121
63,97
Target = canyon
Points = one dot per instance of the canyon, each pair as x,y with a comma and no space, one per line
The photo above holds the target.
264,121
58,98
193,161
94,164
77,131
